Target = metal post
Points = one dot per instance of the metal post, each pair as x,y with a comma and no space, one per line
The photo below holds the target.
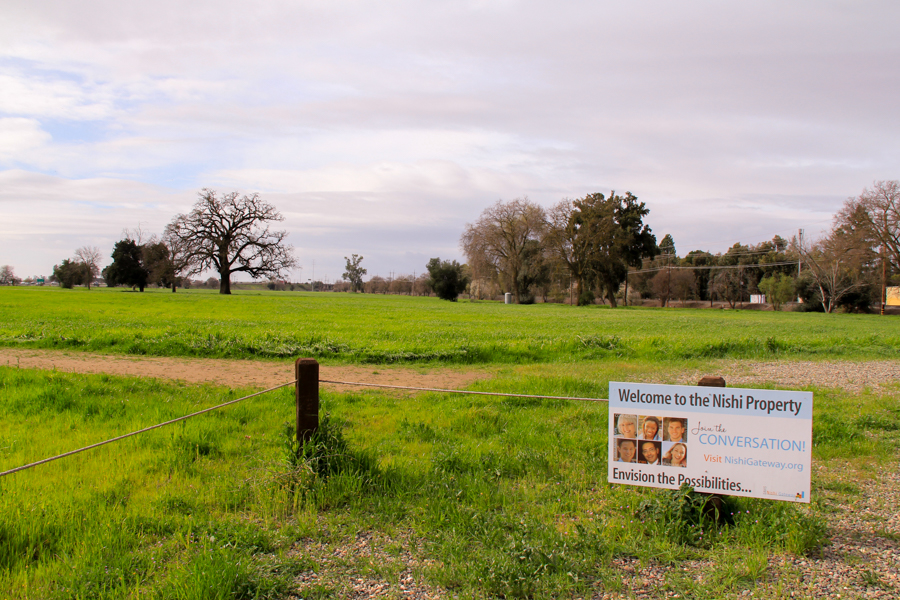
307,391
715,506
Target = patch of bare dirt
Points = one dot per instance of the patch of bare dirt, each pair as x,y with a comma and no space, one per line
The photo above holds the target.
233,373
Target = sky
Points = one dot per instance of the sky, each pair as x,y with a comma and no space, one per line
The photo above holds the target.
382,129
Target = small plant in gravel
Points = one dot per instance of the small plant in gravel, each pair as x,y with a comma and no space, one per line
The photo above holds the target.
687,517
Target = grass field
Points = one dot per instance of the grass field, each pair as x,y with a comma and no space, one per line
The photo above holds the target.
364,328
475,497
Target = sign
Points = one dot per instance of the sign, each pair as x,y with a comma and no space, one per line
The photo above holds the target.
731,441
892,296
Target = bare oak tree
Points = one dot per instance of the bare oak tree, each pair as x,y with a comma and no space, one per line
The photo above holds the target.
89,256
835,263
881,209
8,275
564,240
499,241
230,235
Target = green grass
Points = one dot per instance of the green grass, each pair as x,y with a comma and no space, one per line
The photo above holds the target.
485,497
364,328
223,506
165,514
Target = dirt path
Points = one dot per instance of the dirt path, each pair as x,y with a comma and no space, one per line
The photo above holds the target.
233,373
849,375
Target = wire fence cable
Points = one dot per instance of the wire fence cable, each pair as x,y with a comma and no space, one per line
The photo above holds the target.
230,402
144,430
423,389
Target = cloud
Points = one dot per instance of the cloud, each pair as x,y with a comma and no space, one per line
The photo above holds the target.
19,136
388,126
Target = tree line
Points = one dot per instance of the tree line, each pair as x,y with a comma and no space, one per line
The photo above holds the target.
582,249
598,246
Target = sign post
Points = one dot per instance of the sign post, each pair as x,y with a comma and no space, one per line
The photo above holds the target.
731,441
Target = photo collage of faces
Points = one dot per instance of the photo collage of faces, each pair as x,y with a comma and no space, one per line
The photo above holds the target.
651,440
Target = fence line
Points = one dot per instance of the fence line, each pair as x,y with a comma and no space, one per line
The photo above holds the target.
422,389
307,406
157,426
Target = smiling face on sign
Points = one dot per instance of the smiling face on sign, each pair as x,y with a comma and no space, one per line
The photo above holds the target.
676,431
627,426
626,451
649,452
679,453
651,426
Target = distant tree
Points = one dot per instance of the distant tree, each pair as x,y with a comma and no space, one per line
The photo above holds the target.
277,285
70,273
178,259
156,259
535,274
727,284
778,288
565,238
90,257
599,238
8,276
667,250
683,285
661,285
838,264
127,267
674,283
878,209
231,234
377,285
700,259
497,242
354,273
402,285
640,242
420,285
609,234
447,278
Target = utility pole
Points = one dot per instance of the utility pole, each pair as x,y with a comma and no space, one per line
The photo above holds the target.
883,267
799,256
883,281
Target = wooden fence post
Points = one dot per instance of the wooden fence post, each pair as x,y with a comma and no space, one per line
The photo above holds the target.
307,374
715,505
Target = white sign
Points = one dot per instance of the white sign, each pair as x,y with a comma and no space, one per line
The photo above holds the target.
732,441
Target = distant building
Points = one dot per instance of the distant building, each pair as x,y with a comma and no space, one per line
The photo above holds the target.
893,296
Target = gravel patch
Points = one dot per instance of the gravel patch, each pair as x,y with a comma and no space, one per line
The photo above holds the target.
861,561
374,565
847,375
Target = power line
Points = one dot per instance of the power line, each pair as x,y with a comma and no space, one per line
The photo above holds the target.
706,267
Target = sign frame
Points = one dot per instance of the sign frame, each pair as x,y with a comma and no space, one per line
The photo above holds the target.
747,442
